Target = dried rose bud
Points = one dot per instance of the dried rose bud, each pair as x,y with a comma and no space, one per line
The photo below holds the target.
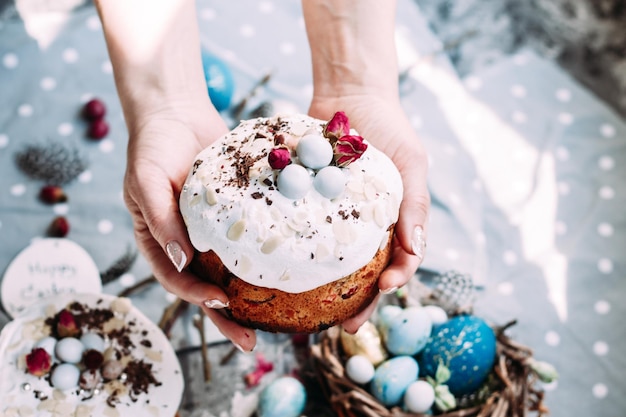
52,194
38,362
92,359
338,126
279,157
94,109
112,370
348,149
59,227
89,379
263,366
66,326
98,129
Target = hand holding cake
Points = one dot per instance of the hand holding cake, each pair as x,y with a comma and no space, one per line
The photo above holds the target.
171,119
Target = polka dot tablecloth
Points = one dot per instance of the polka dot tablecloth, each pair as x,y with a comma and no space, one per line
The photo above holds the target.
527,175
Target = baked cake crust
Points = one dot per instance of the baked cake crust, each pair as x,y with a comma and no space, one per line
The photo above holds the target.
311,311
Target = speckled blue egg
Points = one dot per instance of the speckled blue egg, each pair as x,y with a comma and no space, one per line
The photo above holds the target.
219,80
466,344
392,378
69,350
294,181
314,151
385,315
92,341
408,331
330,182
283,397
65,376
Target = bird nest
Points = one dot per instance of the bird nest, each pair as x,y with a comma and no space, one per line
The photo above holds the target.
509,391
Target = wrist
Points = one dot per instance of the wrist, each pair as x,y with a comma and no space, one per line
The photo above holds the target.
155,52
348,57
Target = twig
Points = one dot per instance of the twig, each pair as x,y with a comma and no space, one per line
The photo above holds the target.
239,107
171,314
198,322
140,286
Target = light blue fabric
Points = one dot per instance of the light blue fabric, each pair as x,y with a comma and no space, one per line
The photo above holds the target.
42,90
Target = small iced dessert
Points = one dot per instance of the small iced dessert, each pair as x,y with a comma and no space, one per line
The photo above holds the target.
78,355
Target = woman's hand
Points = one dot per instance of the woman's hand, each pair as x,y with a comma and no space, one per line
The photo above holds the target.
383,123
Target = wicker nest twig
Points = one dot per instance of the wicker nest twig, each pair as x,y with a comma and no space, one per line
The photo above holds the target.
511,388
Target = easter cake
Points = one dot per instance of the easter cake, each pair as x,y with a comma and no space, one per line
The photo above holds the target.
87,355
293,218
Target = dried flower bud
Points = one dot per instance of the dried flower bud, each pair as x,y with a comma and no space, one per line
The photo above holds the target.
59,227
263,366
38,362
337,127
92,359
348,149
444,400
66,325
545,371
279,157
52,194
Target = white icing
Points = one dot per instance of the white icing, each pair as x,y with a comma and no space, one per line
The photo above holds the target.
276,242
18,387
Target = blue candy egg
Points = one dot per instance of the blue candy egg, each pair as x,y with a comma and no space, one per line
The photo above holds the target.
294,181
69,350
219,81
314,151
385,315
408,331
467,346
283,397
392,378
330,182
92,341
65,377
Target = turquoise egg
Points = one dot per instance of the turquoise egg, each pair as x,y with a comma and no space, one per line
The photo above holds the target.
219,80
408,331
466,344
385,316
283,397
392,378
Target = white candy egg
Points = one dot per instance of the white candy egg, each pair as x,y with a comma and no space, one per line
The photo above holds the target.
69,350
294,181
437,314
92,341
314,151
359,369
419,397
65,376
47,343
330,182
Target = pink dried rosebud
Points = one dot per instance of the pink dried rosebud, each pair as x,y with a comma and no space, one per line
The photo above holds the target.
348,149
66,326
52,194
338,126
59,227
253,378
279,157
38,362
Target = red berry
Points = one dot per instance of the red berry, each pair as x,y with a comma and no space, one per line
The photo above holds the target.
38,362
52,194
98,129
59,227
94,109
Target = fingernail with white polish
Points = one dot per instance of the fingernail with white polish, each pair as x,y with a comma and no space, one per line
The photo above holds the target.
389,290
418,243
176,254
216,304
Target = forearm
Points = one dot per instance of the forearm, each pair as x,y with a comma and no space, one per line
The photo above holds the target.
154,48
352,46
